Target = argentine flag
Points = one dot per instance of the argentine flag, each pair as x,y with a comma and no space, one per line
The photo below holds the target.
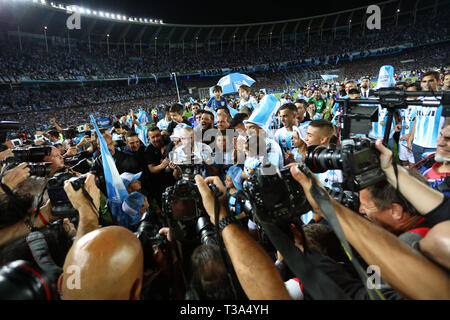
141,130
117,193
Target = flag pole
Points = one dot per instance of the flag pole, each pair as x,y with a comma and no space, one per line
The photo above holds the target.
176,84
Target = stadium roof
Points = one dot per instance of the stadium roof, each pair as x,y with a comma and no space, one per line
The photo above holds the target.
32,16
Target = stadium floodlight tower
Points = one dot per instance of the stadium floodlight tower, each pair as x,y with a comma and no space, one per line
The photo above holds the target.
45,36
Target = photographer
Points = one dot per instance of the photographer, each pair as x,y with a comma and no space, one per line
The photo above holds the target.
384,206
17,217
249,260
401,266
57,161
95,254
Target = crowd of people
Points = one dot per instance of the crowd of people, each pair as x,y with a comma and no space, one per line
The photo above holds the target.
97,60
194,200
148,190
70,106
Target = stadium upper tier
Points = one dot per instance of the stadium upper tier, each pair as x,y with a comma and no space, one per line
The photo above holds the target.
35,43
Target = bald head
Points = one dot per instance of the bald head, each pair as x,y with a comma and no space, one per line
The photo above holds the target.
105,264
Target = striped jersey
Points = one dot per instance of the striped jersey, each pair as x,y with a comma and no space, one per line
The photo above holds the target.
378,128
163,124
284,138
429,121
251,103
408,115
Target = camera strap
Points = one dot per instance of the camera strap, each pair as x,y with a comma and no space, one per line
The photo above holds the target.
317,283
41,254
323,200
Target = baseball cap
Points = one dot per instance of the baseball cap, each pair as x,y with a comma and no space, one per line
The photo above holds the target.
235,174
128,178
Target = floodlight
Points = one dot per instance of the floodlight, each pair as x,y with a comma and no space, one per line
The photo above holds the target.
81,10
113,15
107,14
101,14
88,11
43,2
151,20
94,12
145,20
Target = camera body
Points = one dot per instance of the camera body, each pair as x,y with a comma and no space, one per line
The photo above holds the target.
183,201
147,233
358,158
61,205
276,198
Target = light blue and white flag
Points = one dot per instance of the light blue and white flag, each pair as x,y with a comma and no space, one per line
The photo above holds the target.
141,130
233,81
117,193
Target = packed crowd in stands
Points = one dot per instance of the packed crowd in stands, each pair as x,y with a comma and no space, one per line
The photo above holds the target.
35,63
34,105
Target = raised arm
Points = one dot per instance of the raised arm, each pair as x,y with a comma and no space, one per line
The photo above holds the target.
401,266
421,196
256,272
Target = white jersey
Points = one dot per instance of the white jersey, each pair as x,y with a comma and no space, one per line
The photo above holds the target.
274,155
429,122
327,178
284,138
251,103
202,153
163,124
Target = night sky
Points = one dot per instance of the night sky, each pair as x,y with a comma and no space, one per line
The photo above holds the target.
219,12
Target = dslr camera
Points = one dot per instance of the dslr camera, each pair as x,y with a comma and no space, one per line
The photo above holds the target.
358,159
275,198
147,233
34,156
183,201
61,205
